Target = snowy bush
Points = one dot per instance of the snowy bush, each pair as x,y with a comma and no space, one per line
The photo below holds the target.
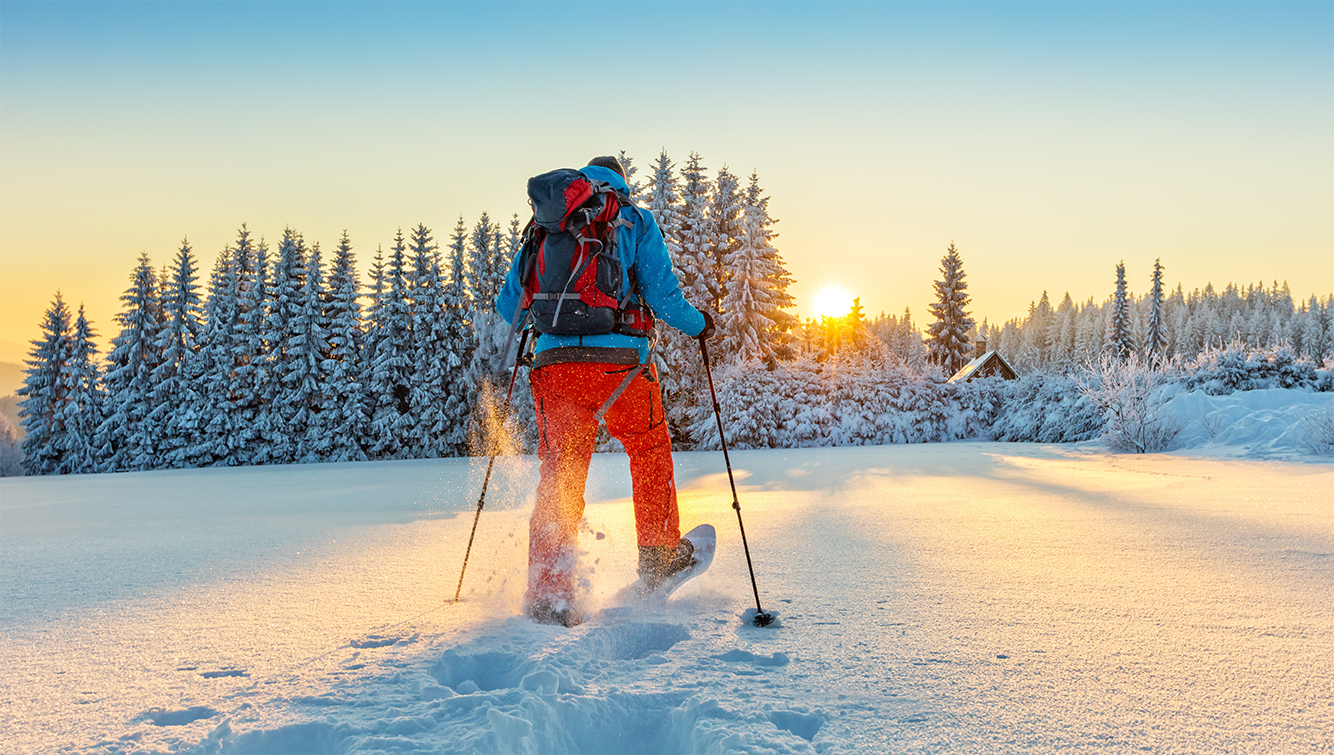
1043,408
1218,372
1133,395
1316,431
11,449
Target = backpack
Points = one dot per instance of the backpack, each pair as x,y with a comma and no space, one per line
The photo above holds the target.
570,265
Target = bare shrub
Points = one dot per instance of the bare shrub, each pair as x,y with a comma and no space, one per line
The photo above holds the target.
1315,431
1131,393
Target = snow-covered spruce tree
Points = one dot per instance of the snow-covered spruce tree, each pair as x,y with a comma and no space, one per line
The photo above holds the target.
307,370
695,265
684,385
391,373
44,393
135,357
431,347
676,353
909,344
1032,354
1061,336
202,424
1155,329
457,357
282,416
488,263
662,199
947,339
85,402
491,334
1120,341
724,217
174,391
344,418
628,164
756,325
249,379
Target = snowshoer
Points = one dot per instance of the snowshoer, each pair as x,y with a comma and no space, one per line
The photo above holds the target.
575,378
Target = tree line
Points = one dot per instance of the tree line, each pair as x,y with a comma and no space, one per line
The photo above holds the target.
282,357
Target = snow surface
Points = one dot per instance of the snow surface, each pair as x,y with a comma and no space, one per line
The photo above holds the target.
931,598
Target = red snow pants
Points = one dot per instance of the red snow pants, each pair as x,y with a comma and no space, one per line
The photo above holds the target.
566,397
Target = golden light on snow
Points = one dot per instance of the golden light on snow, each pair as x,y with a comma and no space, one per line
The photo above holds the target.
832,301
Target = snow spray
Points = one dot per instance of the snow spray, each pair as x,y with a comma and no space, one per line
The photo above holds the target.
496,432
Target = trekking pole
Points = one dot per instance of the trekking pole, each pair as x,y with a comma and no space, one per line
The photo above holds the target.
481,501
762,618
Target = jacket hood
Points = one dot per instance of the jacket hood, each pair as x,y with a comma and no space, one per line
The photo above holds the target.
599,173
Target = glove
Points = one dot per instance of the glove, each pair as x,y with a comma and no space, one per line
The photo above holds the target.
709,328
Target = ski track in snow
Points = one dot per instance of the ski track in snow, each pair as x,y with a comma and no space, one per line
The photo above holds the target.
942,598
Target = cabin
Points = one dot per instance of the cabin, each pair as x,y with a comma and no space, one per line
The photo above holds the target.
985,364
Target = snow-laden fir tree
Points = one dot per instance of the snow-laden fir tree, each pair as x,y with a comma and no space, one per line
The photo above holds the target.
909,345
431,345
458,308
85,402
755,323
174,393
203,427
662,199
1033,353
44,393
1120,341
281,417
1061,336
724,218
132,364
345,417
628,165
306,368
1155,329
488,264
947,341
248,378
391,374
695,266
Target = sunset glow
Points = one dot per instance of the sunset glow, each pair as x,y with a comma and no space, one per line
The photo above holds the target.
833,301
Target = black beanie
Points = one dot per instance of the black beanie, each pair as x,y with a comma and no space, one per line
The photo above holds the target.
607,161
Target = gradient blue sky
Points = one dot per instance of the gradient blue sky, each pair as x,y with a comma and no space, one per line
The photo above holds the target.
1047,140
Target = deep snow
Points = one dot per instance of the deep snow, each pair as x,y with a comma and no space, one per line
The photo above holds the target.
937,598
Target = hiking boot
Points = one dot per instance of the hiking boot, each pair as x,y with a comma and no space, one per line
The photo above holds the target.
545,612
658,562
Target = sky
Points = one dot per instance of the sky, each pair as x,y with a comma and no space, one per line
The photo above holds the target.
1047,141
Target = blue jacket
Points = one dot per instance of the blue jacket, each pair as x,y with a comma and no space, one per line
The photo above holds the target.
641,247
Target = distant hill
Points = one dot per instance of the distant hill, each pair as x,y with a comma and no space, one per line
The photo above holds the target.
11,378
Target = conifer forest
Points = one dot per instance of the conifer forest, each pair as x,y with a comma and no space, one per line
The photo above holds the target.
282,354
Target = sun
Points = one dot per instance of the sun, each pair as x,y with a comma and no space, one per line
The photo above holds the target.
833,301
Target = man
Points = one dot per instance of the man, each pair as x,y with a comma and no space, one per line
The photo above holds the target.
572,378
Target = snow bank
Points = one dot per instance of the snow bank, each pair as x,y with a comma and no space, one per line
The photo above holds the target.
1272,423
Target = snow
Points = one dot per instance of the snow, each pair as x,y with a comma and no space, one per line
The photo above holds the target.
941,597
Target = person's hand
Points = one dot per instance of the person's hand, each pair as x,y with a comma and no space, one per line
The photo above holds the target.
709,328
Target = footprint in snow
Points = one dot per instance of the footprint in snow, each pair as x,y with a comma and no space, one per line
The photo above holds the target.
382,641
742,656
224,673
161,717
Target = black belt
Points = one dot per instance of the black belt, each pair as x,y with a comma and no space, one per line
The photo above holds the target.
604,354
